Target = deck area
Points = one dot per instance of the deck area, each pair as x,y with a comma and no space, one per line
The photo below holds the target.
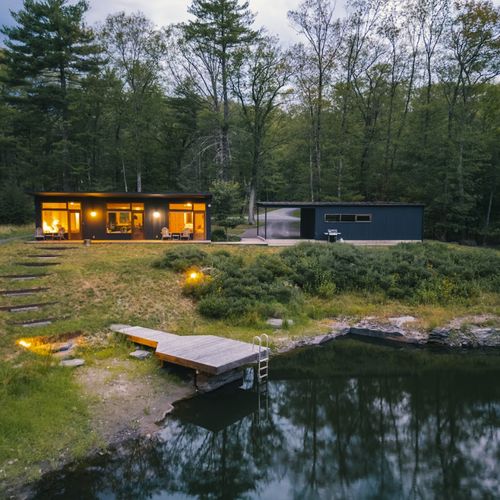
206,353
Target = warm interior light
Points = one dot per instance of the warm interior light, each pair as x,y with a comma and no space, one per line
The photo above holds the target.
93,213
156,214
189,204
24,343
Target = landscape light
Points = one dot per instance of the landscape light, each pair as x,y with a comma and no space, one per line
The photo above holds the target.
194,276
24,343
156,214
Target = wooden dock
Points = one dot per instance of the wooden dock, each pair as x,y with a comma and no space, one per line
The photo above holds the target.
205,353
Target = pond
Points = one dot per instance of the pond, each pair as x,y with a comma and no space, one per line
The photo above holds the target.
347,420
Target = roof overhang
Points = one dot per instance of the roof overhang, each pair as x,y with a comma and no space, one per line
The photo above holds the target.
134,196
313,204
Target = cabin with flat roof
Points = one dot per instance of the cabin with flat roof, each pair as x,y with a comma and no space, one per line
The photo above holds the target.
349,221
123,216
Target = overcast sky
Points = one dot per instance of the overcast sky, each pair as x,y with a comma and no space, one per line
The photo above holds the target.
270,13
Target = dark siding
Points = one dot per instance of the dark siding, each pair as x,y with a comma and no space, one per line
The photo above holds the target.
307,223
388,222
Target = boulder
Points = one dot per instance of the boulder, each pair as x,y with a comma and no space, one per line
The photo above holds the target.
278,322
72,363
401,320
140,354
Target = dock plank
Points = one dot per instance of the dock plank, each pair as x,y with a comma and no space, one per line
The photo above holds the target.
206,353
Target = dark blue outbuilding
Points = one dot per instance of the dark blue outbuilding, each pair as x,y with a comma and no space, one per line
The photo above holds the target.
352,221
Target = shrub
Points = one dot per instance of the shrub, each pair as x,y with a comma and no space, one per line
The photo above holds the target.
218,235
183,257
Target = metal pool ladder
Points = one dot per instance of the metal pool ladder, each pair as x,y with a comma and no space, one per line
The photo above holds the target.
262,342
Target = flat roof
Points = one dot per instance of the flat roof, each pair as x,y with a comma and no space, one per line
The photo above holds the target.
120,195
312,204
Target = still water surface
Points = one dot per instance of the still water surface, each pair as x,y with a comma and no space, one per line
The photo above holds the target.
317,433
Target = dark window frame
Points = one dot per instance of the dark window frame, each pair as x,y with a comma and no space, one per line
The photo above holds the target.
338,218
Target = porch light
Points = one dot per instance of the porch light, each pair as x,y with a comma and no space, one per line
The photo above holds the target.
156,214
93,213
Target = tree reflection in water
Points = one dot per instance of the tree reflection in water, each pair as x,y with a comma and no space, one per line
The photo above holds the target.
427,435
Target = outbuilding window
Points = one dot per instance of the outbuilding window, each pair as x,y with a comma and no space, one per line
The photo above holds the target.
348,217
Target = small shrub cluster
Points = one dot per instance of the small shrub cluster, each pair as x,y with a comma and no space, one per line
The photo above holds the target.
266,284
238,289
426,273
182,258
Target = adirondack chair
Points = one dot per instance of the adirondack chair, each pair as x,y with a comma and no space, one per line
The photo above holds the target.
39,234
186,234
165,234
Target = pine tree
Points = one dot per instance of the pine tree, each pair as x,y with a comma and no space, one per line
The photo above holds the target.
220,26
48,53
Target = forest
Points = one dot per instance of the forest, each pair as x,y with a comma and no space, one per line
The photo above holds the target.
389,100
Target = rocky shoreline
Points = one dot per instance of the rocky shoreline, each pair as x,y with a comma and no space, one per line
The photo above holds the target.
464,333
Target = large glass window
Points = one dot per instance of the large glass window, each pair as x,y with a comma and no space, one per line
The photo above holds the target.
187,219
124,218
54,220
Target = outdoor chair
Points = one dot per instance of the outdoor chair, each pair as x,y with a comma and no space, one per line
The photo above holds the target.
39,234
186,234
60,234
165,234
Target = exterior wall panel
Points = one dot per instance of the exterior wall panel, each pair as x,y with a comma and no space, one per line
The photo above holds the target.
396,222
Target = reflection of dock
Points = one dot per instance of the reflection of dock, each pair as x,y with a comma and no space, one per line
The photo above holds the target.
208,354
217,410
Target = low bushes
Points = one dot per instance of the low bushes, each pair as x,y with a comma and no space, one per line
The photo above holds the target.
269,284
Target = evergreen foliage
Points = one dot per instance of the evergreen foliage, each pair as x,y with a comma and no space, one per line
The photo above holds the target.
269,284
394,102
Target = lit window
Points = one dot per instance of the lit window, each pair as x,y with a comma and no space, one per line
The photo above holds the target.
199,207
54,221
118,206
61,206
119,222
137,206
181,206
74,205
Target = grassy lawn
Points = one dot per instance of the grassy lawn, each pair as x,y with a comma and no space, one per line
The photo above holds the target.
45,413
8,231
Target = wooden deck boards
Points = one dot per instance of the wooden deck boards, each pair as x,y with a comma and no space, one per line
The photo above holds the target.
207,353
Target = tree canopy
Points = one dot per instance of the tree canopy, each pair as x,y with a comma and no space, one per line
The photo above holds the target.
393,101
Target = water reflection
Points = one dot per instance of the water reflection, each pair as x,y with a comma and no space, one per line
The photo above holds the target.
433,435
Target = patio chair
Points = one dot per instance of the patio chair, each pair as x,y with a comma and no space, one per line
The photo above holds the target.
186,234
39,234
60,234
165,234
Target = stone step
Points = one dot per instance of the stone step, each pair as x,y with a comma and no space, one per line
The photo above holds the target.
26,307
37,264
22,291
34,322
23,277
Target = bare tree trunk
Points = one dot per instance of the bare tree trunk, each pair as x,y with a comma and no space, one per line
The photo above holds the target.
251,204
125,185
225,122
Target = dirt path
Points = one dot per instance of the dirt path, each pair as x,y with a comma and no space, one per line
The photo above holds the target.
126,399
